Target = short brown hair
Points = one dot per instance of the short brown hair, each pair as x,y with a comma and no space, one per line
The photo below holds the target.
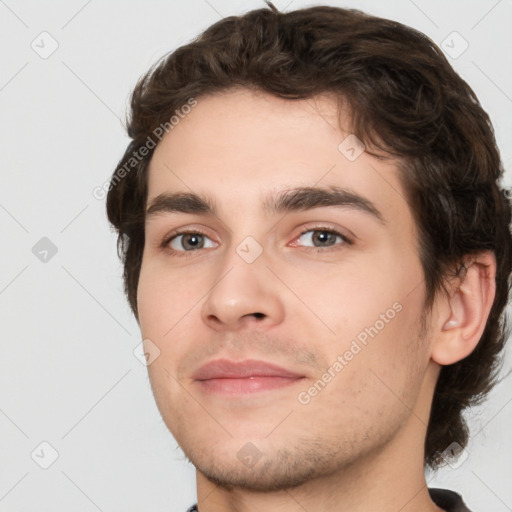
405,98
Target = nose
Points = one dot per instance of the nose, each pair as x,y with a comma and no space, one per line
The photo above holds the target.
245,295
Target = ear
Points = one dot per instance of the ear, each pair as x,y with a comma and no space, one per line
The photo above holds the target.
462,313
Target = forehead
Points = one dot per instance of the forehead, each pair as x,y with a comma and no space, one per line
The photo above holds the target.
240,146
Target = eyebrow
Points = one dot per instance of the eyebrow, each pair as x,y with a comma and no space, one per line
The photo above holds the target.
295,199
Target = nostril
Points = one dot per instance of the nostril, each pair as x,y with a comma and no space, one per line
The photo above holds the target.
258,315
214,319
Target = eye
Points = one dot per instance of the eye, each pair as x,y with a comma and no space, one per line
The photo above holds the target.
190,242
321,238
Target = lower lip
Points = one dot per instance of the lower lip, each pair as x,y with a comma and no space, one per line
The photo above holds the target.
246,385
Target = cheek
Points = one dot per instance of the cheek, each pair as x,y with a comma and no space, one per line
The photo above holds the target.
372,310
353,297
387,357
169,304
165,298
375,375
163,310
151,301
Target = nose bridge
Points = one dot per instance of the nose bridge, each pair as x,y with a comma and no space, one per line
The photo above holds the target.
244,290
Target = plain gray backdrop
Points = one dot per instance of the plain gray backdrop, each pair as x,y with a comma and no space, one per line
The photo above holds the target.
79,428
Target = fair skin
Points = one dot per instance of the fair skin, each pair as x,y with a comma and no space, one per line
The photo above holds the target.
325,274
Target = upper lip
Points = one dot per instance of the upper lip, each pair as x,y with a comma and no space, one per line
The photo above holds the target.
225,369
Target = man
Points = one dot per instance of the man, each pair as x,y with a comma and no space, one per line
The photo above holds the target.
317,249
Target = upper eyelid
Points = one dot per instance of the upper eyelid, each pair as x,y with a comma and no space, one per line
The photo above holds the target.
343,232
329,230
171,236
185,231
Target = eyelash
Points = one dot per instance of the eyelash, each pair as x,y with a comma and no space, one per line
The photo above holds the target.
346,240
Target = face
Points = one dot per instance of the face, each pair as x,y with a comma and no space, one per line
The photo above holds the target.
282,287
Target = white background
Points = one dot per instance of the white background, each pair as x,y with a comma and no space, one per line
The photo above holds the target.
68,373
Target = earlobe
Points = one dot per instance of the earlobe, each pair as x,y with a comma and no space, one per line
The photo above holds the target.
464,311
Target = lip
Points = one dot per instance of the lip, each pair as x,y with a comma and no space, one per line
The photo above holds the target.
243,377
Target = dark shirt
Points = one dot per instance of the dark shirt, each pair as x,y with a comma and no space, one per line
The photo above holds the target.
448,500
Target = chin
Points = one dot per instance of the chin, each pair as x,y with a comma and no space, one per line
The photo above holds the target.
268,470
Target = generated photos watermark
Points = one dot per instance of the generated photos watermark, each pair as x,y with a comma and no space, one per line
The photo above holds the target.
100,192
356,346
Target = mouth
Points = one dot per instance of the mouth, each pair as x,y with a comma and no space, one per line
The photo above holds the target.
243,377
